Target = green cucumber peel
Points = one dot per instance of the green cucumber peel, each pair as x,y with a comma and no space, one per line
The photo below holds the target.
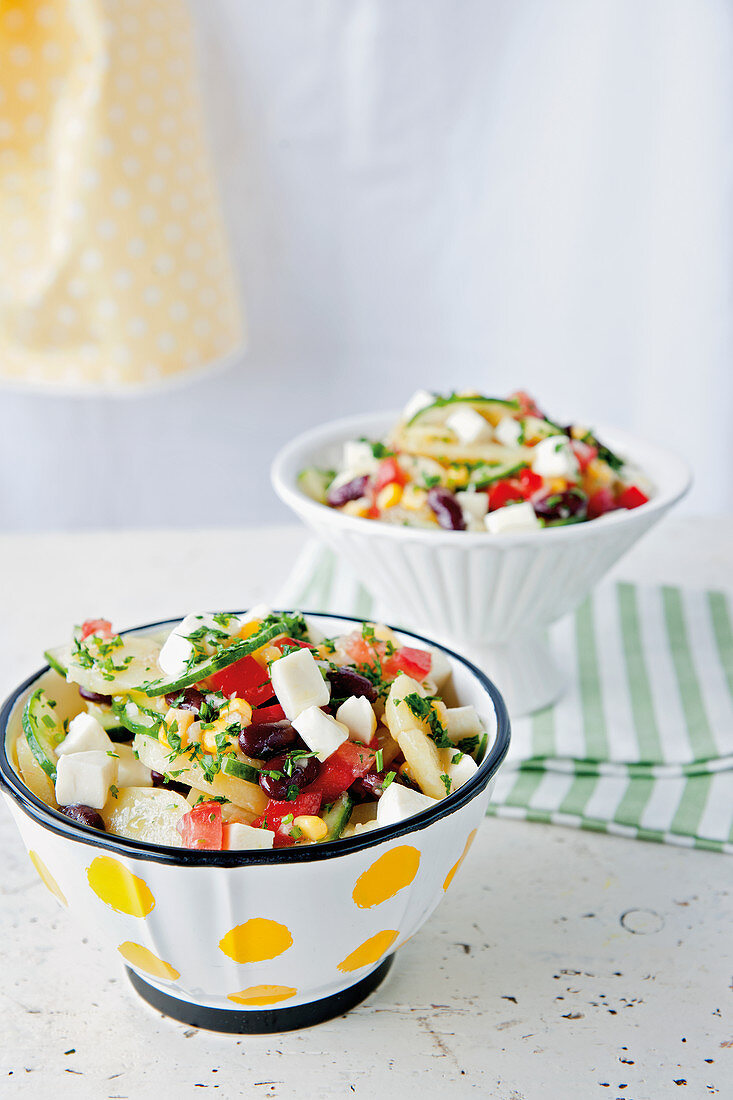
457,399
43,731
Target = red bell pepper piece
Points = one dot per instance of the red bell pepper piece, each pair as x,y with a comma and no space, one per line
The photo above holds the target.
279,643
530,481
350,761
600,502
308,802
275,713
631,497
388,471
202,827
584,453
246,679
506,492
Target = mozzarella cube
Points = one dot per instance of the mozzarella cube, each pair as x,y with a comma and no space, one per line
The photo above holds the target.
175,655
473,505
131,772
462,722
359,458
508,431
321,733
460,772
238,837
419,400
554,457
469,426
298,683
512,517
315,634
85,778
85,735
399,802
357,714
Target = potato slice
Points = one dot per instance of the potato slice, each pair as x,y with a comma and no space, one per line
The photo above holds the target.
248,796
385,741
33,775
425,761
131,664
150,814
397,714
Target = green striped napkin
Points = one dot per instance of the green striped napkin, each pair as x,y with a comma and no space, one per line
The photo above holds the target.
641,743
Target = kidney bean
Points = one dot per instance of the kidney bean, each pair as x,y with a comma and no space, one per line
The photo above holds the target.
268,739
188,699
368,787
95,697
560,507
352,490
446,509
85,815
303,771
345,682
160,780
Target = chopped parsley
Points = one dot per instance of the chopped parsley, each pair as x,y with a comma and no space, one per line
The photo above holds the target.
422,708
379,760
446,783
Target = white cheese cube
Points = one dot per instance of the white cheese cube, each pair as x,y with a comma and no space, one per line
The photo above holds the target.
298,683
175,655
131,772
315,634
85,778
399,802
473,505
462,722
419,400
321,733
508,431
469,426
554,457
359,458
461,772
512,517
85,735
357,714
238,836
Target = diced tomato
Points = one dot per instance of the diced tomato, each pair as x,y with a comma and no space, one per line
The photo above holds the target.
631,497
246,679
357,648
506,492
275,713
527,406
584,453
350,761
298,643
530,481
101,627
308,802
415,662
600,502
202,827
389,470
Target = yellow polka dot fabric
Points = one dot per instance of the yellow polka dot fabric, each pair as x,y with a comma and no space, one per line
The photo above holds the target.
114,271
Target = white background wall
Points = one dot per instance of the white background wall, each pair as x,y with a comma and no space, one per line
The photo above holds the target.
449,193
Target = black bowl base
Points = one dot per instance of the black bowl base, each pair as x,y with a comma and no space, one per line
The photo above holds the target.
260,1021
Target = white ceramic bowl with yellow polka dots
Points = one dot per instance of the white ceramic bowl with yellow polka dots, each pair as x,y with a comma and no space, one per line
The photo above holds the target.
265,940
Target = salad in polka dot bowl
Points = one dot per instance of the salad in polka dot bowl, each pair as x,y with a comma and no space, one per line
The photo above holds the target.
479,519
197,792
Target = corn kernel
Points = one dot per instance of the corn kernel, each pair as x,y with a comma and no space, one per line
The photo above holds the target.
389,496
404,771
313,828
237,708
176,721
250,628
413,497
557,484
266,653
358,508
599,474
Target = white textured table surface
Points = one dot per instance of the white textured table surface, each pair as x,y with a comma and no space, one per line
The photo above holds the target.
561,965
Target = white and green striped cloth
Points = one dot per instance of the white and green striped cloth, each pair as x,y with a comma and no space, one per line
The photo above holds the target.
641,743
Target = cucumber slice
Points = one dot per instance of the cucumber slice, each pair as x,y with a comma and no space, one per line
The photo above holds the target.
43,731
209,665
232,765
487,475
427,414
134,717
58,659
337,817
314,482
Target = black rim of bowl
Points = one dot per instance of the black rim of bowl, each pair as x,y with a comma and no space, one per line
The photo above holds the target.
184,857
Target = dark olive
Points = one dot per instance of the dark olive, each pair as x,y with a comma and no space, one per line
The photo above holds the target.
268,739
344,493
346,681
290,774
85,815
368,787
446,509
